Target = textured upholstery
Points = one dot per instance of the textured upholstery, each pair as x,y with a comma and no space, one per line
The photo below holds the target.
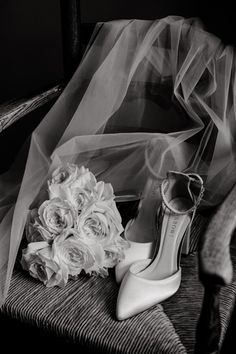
84,313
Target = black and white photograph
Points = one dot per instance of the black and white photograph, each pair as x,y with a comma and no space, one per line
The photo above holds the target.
118,176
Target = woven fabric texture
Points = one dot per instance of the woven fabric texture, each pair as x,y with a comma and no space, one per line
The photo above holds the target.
84,313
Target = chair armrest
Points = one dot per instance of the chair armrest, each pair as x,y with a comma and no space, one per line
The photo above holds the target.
215,271
12,111
215,266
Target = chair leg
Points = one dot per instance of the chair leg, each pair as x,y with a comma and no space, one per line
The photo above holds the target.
70,21
209,325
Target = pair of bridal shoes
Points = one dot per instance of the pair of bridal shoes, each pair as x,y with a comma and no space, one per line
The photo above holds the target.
156,275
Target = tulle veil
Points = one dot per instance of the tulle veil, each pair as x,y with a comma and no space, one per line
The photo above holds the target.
147,97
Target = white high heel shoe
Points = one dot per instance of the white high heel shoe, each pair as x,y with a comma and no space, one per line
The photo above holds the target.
149,282
141,232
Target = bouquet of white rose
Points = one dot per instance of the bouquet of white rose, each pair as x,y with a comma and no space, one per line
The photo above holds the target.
77,229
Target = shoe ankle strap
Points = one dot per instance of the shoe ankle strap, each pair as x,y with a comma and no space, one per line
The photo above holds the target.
191,178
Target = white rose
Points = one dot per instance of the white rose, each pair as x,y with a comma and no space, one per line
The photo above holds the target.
112,258
71,250
55,215
70,177
38,260
115,253
34,230
80,198
101,222
103,191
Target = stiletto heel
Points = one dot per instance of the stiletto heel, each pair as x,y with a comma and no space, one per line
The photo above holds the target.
151,281
141,231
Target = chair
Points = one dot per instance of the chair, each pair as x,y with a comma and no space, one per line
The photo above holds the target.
82,314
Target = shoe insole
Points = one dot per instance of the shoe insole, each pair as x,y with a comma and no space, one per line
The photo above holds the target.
165,263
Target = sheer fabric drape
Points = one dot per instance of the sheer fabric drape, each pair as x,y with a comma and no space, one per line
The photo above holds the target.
148,96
